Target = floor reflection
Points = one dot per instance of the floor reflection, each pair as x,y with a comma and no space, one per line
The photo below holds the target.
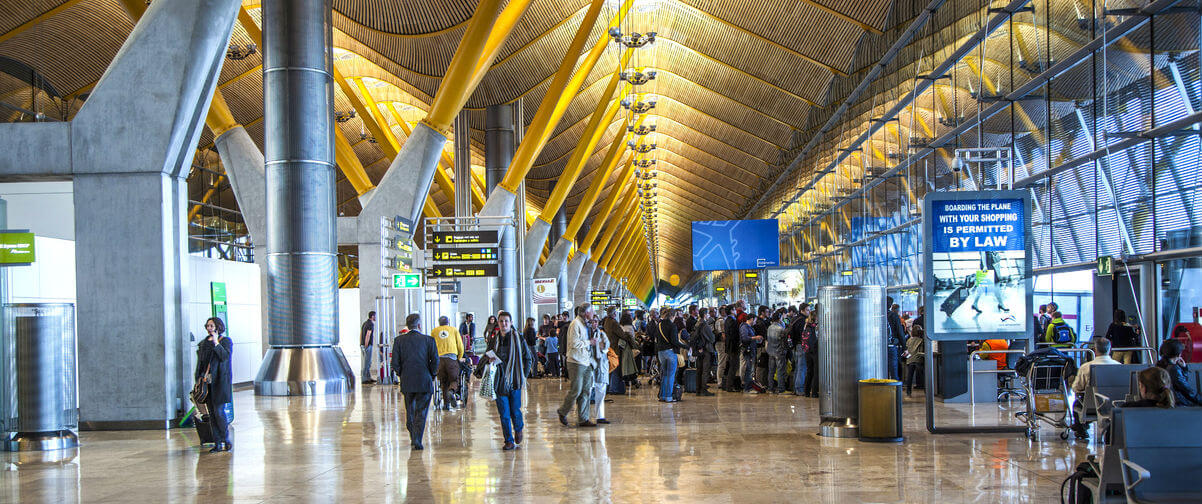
729,448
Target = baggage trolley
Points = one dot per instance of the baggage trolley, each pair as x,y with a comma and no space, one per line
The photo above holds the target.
1049,395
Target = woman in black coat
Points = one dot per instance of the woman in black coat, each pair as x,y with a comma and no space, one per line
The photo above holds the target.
213,357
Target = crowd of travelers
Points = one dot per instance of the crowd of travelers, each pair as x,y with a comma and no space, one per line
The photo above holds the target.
678,350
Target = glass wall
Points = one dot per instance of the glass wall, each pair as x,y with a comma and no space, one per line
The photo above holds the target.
1090,106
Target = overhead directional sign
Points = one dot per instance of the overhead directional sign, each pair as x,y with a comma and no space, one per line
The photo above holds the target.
463,270
474,254
407,281
465,237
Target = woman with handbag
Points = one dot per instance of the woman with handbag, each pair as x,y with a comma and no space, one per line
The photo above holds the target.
512,363
214,380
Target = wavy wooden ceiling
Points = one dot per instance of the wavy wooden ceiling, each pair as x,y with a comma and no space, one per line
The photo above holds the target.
737,82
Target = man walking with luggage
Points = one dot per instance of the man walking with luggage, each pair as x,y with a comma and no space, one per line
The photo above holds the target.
367,333
578,345
415,362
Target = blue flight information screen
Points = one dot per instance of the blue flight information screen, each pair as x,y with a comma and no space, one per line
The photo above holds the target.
735,244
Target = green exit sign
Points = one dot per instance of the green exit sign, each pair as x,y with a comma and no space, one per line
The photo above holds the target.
406,281
16,248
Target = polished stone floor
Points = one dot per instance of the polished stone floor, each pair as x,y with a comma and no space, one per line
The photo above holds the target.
732,448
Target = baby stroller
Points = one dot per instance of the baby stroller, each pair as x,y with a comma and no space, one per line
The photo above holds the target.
1045,374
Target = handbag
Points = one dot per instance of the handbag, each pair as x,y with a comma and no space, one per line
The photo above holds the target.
613,359
488,382
200,391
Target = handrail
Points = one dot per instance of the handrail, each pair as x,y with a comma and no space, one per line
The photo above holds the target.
972,384
1151,351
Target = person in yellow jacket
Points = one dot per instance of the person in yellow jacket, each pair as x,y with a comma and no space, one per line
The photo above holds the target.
450,350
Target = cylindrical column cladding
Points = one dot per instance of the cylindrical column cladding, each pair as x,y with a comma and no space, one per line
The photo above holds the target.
498,154
463,170
302,267
39,371
299,154
851,347
559,225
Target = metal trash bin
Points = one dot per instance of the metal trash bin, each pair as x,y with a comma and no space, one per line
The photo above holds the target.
39,408
880,410
851,347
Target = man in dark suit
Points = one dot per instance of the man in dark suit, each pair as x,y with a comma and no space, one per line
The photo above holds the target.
415,362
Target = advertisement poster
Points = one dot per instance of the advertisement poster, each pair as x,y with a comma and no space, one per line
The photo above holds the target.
546,291
786,286
977,276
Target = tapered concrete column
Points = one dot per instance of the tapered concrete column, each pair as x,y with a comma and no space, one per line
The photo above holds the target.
584,280
572,269
498,153
302,261
536,237
130,205
243,164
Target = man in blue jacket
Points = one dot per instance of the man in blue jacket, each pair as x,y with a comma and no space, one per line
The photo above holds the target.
415,362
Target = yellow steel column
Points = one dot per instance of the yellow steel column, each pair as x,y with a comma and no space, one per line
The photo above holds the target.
632,230
584,149
440,174
607,207
616,149
369,113
455,86
615,231
559,95
501,29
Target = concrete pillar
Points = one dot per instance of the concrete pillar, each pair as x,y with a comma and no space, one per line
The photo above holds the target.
302,261
498,153
558,226
130,147
584,279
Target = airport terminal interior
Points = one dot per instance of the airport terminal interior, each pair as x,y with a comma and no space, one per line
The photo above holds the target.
703,251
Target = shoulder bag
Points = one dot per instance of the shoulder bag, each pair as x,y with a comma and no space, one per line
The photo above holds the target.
200,391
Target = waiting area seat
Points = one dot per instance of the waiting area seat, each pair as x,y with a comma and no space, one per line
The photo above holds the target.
1109,383
1161,454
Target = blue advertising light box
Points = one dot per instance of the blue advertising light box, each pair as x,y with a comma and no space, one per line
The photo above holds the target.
735,244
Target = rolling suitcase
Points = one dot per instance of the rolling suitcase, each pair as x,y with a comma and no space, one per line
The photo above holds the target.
203,430
954,300
690,380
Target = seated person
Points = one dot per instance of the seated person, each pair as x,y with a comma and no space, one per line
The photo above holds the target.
1170,360
1154,390
1101,349
1082,383
995,344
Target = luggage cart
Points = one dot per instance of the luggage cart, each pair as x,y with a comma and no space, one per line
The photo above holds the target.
1049,395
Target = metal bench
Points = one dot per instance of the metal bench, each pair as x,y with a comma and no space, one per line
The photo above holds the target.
1161,453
